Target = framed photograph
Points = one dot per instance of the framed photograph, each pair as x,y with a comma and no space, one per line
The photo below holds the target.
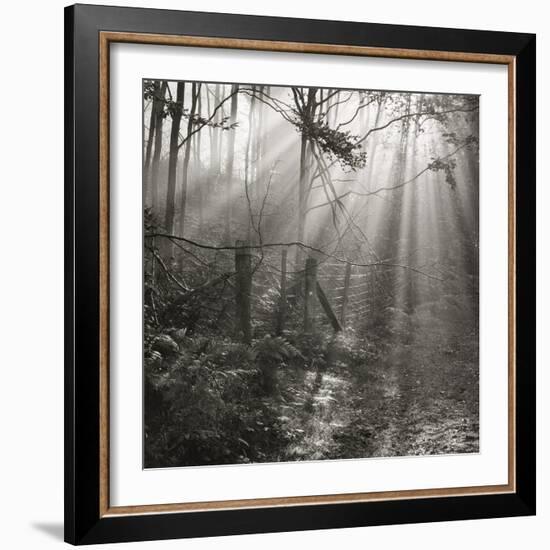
300,284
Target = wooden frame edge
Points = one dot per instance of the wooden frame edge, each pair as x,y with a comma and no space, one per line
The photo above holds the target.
104,270
105,39
512,355
299,47
314,500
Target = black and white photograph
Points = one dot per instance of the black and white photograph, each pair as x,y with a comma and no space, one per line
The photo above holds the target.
275,275
310,273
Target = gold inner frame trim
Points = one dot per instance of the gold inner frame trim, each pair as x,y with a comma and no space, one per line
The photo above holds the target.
105,39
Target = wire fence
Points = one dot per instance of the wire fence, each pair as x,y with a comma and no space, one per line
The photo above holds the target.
275,299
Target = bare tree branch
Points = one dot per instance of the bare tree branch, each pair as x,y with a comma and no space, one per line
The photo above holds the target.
292,243
390,188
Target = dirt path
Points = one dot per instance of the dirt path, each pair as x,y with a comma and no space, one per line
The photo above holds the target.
402,406
316,416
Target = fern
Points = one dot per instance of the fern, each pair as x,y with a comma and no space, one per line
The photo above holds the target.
274,349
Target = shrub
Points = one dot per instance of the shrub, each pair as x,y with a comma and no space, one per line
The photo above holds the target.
271,353
205,406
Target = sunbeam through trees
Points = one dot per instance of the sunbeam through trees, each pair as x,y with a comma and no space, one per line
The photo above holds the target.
310,273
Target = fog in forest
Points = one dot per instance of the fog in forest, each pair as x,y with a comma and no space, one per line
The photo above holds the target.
310,273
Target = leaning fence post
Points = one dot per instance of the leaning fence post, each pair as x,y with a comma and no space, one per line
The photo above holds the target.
323,300
345,298
282,304
310,291
243,267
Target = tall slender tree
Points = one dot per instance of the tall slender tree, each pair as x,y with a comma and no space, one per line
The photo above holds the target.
229,166
249,179
306,105
214,168
176,110
159,119
199,187
152,123
195,91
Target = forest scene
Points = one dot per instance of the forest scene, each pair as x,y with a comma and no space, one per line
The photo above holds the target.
311,274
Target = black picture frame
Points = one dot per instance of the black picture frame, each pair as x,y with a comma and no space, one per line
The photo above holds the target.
84,523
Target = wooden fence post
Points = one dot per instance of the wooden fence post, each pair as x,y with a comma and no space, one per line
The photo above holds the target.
282,303
323,300
345,299
310,292
243,267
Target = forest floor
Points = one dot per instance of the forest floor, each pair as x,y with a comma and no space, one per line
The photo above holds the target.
416,401
208,402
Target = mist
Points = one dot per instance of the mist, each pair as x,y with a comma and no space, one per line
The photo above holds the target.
306,247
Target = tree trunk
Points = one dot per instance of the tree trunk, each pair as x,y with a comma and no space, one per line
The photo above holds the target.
158,148
173,158
197,167
301,197
308,113
259,149
195,90
229,167
214,170
310,293
249,183
243,267
282,299
152,123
